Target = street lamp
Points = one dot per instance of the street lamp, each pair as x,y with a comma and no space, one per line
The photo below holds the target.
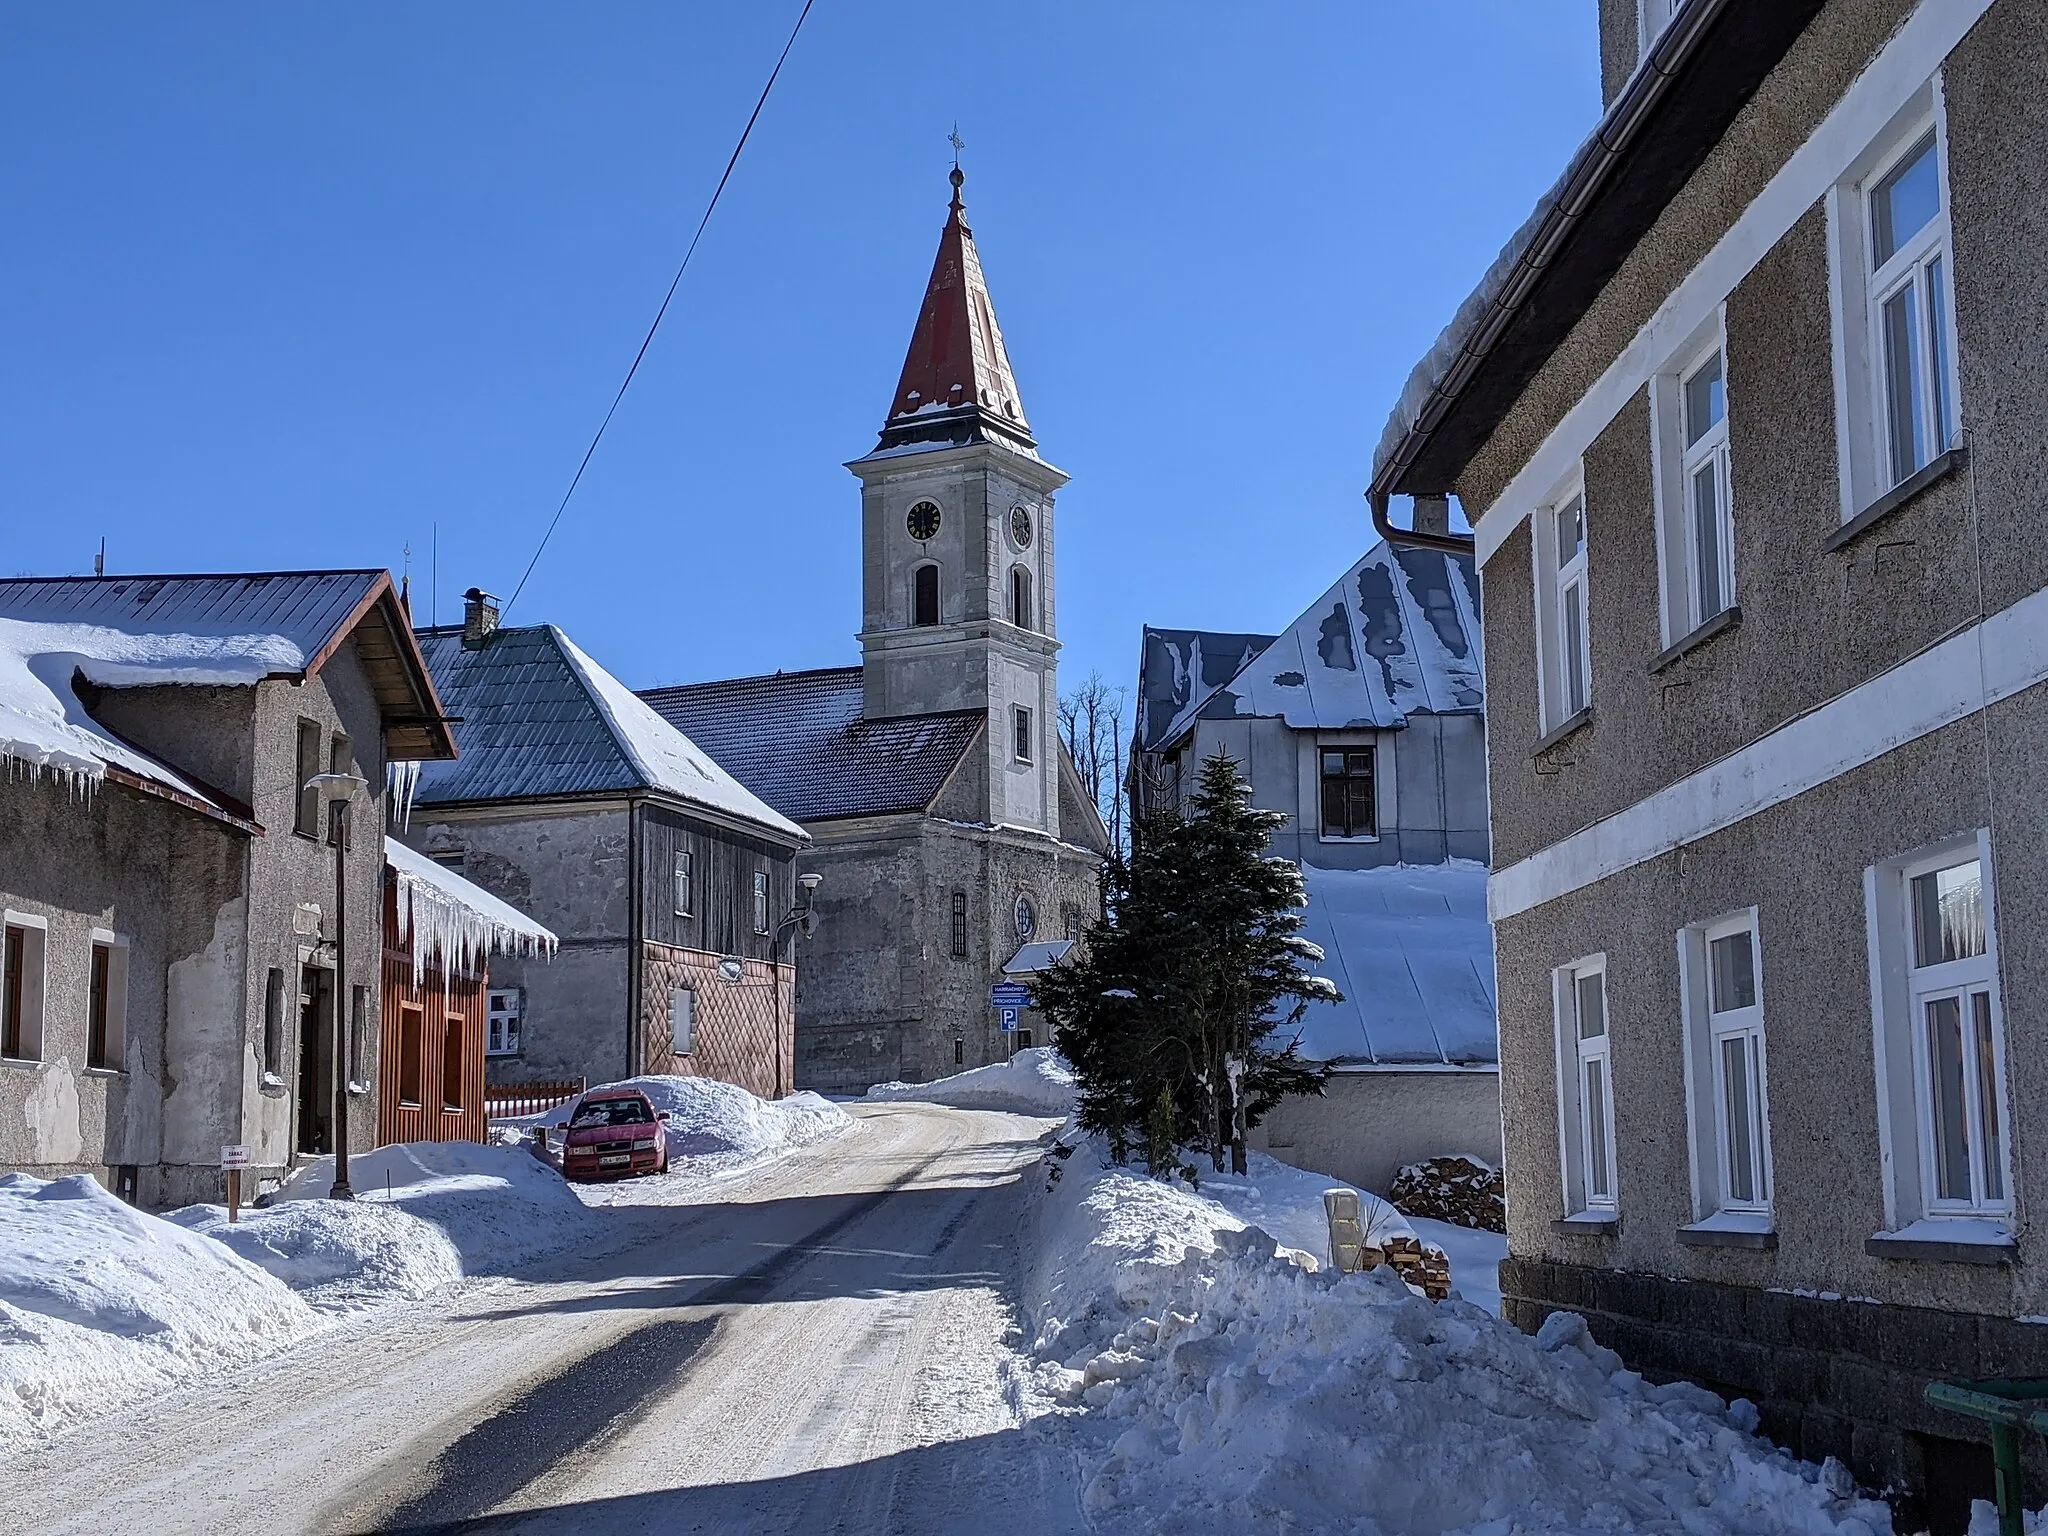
336,790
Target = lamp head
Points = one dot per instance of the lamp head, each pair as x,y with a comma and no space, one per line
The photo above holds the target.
810,882
337,786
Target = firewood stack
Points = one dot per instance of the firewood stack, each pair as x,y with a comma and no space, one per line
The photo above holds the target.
1426,1268
1454,1189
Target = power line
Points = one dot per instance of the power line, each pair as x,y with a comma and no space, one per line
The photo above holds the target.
648,340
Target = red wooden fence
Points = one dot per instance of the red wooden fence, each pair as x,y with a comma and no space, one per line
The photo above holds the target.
505,1100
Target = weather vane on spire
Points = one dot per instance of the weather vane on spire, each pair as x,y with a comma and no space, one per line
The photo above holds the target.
958,144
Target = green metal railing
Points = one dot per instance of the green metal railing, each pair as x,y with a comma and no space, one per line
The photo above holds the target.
2008,1406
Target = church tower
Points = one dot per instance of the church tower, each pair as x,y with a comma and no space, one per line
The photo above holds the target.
958,539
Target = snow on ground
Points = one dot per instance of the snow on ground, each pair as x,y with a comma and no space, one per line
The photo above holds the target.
1475,1258
1036,1081
1234,1390
101,1303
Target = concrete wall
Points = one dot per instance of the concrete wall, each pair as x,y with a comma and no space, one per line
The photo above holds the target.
1367,1125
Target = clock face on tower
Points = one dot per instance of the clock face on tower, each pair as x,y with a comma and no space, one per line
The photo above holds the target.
923,521
1020,526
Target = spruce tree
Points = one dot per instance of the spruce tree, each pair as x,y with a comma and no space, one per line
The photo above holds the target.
1168,1016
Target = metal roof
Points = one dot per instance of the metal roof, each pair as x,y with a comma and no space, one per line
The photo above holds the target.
309,609
798,741
1398,634
539,719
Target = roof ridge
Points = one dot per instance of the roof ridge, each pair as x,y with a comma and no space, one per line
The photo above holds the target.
340,570
758,677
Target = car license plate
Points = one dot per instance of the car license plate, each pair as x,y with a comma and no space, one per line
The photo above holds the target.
615,1159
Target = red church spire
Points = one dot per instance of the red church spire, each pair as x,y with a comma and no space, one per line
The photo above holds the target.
957,385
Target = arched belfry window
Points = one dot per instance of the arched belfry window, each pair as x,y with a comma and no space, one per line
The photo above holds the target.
1022,614
924,595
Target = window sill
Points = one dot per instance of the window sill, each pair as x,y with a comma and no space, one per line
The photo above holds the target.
1729,1229
1940,467
1567,727
1945,1240
105,1072
1588,1224
1331,837
27,1063
1728,618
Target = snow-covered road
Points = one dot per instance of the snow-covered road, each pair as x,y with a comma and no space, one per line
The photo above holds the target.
820,1345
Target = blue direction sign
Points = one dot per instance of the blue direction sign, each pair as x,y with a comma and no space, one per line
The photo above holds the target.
1007,1018
1009,994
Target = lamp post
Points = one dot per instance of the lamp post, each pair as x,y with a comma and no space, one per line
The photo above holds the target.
800,915
337,790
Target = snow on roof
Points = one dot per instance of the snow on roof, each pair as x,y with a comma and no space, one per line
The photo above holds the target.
668,758
1398,634
452,921
1179,672
1410,948
43,723
1033,958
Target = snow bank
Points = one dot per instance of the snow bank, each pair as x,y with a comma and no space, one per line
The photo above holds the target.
1033,1082
1237,1391
339,1256
101,1303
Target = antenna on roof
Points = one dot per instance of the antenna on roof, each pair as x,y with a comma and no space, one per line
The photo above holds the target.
434,581
99,562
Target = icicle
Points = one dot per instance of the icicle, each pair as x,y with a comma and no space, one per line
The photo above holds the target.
403,777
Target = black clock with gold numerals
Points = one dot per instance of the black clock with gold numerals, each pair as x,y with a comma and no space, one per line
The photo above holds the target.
923,521
1020,526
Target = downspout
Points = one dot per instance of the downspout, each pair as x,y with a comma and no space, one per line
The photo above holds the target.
1596,160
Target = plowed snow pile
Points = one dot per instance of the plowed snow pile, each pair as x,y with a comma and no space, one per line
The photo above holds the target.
1036,1081
1244,1393
101,1303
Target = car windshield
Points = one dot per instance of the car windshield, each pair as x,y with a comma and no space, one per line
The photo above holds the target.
612,1112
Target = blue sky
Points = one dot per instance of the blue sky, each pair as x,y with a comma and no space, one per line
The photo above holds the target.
287,286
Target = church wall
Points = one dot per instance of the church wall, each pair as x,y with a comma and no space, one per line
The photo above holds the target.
858,973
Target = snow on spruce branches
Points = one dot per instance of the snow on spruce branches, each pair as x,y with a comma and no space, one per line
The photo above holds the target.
1167,1013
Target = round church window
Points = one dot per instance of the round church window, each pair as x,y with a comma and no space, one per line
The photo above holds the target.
923,521
1027,919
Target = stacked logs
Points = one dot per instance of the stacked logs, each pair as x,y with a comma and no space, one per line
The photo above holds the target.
1352,1248
1460,1190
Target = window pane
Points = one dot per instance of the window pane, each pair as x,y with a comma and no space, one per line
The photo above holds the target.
1738,1117
1333,808
1333,762
1594,1107
1944,427
1592,1002
1706,400
1948,915
1358,763
1901,389
1987,1097
1945,1098
1732,972
1361,808
1574,642
1706,533
1904,202
1571,530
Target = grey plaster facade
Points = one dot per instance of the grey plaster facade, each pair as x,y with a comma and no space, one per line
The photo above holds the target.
1621,830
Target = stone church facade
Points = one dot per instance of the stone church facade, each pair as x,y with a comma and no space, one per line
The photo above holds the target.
947,821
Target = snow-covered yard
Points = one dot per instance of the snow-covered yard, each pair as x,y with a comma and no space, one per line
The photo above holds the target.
1219,1386
101,1303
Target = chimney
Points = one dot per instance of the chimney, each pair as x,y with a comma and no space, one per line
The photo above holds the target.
479,618
1432,514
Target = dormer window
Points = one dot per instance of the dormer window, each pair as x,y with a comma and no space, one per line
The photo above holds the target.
924,596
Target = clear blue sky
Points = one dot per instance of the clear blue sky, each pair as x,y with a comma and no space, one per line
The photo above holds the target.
284,286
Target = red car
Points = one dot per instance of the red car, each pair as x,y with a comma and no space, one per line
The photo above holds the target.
612,1134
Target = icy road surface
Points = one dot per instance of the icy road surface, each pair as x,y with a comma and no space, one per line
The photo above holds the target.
820,1346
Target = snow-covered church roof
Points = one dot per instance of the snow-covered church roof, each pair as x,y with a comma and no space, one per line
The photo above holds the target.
453,922
540,719
1398,634
1410,948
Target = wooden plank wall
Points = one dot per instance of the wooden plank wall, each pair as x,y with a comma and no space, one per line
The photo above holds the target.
722,868
446,1002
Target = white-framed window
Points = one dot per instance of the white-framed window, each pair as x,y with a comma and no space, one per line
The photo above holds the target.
1565,673
1021,724
505,1007
24,948
1585,1081
682,1021
1694,484
106,1003
1652,17
1894,308
679,886
1727,1077
760,901
1941,1034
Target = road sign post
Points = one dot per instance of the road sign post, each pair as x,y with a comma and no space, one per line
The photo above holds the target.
1007,1018
234,1160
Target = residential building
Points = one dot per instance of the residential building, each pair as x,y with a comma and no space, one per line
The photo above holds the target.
1363,723
168,868
1747,422
673,891
440,1016
947,822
